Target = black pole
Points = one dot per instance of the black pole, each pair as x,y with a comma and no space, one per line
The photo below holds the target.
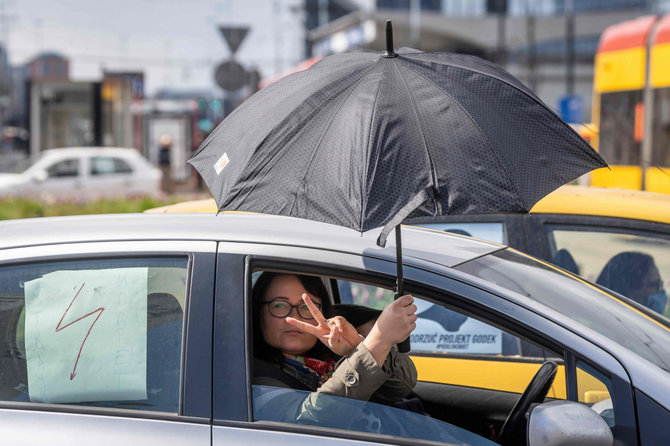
389,40
404,346
570,47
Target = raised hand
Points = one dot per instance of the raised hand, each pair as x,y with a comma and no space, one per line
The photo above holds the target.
398,320
394,325
336,333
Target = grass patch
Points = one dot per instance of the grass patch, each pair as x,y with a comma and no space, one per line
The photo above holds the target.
24,208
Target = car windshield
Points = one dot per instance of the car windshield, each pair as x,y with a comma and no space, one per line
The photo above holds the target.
635,329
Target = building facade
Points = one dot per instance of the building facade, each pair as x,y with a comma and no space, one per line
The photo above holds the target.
548,44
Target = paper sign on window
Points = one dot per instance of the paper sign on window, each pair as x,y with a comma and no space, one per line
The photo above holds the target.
86,335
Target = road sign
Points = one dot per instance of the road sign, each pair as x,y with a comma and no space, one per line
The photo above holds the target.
234,35
572,109
230,75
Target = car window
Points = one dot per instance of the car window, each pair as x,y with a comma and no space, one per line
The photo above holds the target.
491,231
104,165
636,265
93,332
65,168
594,389
583,303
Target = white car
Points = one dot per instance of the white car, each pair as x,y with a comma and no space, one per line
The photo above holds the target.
84,173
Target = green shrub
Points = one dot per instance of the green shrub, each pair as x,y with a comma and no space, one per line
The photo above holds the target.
23,208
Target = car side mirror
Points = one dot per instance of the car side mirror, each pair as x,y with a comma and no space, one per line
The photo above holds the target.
40,176
566,422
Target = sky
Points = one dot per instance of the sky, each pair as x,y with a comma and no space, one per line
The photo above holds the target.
176,43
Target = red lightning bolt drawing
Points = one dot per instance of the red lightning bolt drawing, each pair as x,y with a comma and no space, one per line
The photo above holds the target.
59,328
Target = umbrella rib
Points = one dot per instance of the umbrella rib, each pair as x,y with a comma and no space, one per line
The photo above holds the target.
592,153
323,134
474,123
364,196
433,170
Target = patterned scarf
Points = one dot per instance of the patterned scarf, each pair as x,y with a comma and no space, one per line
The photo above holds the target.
323,370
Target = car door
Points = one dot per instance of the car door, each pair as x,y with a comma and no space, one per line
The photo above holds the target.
243,411
63,178
107,343
109,176
463,412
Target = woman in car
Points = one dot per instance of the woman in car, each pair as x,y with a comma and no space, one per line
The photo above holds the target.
311,349
635,275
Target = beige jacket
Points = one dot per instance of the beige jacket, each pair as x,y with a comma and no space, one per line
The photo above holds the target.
356,376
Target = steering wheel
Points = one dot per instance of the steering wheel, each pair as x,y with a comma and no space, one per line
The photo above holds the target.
511,432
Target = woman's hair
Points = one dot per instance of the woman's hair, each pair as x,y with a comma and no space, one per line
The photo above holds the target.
314,286
625,271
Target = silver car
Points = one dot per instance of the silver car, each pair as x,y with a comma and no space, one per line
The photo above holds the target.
135,329
84,173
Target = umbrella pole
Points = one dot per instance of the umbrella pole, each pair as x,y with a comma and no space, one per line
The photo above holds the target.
404,346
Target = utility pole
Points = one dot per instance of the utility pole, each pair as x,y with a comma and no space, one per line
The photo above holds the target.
531,42
323,12
415,23
501,6
276,24
570,47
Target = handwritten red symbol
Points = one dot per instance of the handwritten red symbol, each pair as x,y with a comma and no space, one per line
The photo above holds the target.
59,328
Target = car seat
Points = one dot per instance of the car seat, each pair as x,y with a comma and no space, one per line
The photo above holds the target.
564,259
164,334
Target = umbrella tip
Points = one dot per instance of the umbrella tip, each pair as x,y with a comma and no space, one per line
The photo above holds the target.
389,40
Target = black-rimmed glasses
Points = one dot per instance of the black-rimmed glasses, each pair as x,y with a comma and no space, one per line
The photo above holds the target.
280,308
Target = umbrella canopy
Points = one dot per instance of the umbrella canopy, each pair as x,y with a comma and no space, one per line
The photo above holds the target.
366,140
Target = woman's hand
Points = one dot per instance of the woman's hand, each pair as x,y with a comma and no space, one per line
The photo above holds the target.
394,325
336,333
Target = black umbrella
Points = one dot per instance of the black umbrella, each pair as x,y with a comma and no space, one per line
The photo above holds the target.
365,140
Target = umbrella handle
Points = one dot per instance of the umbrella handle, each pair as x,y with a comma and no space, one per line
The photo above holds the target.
404,346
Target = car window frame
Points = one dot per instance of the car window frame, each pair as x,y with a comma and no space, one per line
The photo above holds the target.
446,288
81,168
512,224
538,244
196,334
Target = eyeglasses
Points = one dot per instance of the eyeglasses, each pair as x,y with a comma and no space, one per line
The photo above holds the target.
280,308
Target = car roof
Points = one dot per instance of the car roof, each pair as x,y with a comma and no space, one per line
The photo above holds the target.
575,200
119,151
418,243
605,202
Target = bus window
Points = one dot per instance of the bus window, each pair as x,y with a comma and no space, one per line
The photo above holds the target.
661,141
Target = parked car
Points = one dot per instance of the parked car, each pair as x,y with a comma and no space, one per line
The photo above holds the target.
126,328
85,173
608,236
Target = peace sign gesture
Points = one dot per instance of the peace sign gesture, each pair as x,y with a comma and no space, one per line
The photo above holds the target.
336,333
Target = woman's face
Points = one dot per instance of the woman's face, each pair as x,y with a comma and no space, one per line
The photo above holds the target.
276,332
